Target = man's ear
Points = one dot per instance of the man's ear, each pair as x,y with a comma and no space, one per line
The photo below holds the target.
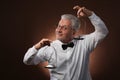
74,32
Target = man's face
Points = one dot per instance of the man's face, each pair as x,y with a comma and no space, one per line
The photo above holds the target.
64,31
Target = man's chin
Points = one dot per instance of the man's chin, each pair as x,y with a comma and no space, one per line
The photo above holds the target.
60,39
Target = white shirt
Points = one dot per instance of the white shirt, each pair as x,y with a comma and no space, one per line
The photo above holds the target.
72,63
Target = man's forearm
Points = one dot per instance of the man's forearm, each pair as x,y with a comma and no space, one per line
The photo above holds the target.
29,56
100,27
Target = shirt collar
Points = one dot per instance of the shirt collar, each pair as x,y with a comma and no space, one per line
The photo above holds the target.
59,42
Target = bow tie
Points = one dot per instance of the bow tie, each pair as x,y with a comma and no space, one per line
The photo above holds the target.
64,46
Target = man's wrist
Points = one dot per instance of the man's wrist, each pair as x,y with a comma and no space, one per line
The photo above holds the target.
38,46
92,16
34,49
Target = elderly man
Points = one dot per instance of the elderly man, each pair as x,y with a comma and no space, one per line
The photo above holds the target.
68,56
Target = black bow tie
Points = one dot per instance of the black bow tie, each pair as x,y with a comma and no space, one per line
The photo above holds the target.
64,46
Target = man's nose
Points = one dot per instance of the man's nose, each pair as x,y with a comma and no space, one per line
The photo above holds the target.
59,30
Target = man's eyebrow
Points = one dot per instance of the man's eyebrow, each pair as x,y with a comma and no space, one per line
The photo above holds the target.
63,25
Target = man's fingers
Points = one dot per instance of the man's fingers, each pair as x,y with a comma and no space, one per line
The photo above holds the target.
46,42
79,11
76,7
49,40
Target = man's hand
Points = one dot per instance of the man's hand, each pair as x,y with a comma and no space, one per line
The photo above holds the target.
82,11
42,43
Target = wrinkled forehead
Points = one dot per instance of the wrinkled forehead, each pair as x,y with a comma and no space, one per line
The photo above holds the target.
66,22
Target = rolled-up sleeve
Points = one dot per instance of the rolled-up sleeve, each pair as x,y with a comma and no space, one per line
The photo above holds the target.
101,30
29,55
34,57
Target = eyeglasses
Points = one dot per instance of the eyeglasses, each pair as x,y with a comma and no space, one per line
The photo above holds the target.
65,27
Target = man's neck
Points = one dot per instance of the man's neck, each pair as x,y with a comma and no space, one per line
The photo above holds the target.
66,41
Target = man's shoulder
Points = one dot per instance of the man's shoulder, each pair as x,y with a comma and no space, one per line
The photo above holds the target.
56,42
83,37
80,37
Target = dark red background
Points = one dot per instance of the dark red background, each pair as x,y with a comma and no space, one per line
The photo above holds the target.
24,23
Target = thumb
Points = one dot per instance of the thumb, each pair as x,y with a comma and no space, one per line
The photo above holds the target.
76,7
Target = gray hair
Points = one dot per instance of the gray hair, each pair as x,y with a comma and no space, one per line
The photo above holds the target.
74,20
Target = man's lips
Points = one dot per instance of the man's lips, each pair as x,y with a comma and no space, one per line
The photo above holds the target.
59,34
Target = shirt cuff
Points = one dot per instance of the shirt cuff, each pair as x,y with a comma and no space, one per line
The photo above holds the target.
34,49
92,16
